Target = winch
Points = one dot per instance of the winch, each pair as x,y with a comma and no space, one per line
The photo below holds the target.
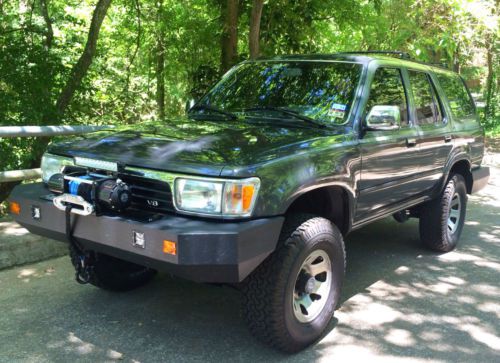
89,192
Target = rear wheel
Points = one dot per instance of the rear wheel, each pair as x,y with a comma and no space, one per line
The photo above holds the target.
113,274
442,220
289,300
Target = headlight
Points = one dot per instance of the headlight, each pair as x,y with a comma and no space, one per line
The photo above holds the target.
198,196
233,198
53,164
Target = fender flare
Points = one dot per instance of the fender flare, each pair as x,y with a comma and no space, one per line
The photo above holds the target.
345,187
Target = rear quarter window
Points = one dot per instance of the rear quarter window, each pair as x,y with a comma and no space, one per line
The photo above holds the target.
459,100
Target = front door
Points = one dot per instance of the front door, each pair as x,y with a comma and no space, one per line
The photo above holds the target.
389,158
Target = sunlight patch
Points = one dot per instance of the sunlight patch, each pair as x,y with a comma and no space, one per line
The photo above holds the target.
82,347
26,272
456,256
13,229
490,307
113,354
472,223
493,265
375,314
488,237
481,335
400,337
452,280
401,270
488,290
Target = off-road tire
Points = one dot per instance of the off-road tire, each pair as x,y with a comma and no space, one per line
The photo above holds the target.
269,291
113,274
434,231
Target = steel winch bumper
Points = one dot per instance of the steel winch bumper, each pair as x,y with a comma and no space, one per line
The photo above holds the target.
206,250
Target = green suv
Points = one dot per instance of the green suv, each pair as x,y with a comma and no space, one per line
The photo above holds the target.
259,183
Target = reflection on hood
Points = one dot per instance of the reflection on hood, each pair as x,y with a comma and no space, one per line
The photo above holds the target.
194,146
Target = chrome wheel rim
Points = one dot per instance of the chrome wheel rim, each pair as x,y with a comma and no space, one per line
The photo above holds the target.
312,286
454,214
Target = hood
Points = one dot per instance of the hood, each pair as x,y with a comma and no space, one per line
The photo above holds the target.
190,146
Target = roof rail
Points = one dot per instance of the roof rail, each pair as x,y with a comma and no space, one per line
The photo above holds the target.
400,54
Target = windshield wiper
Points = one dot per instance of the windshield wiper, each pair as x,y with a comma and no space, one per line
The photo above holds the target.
230,115
288,112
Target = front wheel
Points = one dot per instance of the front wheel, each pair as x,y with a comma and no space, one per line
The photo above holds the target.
442,220
289,300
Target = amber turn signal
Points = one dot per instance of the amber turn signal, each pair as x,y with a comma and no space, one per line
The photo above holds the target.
248,191
169,247
15,208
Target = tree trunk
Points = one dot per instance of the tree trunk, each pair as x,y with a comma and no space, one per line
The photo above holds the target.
254,34
160,64
229,38
48,23
456,59
490,50
489,79
125,114
81,67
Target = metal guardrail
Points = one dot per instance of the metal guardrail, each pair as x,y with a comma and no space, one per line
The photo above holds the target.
19,175
37,131
34,131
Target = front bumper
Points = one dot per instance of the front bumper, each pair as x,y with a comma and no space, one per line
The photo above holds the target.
207,251
480,177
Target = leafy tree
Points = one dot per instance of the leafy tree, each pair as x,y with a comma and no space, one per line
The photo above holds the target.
85,61
39,57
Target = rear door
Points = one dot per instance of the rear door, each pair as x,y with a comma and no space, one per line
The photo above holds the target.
435,134
390,161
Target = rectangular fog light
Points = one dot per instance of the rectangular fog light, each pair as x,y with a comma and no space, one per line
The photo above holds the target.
36,212
139,240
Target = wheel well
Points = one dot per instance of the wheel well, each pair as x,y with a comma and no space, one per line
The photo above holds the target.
462,167
328,202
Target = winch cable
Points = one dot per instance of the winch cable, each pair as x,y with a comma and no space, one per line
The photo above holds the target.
81,259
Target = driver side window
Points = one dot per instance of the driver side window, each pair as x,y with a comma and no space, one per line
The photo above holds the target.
387,89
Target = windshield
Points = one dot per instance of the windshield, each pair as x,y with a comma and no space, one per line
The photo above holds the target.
320,91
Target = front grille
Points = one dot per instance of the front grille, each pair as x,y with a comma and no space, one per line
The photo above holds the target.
149,194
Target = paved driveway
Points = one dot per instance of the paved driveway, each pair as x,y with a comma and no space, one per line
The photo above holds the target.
400,303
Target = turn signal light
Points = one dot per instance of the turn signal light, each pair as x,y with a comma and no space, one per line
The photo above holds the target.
239,198
169,247
247,197
15,208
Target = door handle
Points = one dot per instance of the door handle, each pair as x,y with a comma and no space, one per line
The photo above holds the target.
447,138
411,142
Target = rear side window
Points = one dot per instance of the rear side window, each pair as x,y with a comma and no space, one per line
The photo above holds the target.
387,89
454,88
426,104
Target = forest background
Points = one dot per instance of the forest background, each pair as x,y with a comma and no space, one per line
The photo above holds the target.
111,62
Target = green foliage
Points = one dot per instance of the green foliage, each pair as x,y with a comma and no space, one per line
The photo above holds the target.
120,86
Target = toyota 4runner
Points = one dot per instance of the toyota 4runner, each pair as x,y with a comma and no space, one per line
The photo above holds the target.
258,185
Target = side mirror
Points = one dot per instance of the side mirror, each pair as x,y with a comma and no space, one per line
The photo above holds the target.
383,118
189,104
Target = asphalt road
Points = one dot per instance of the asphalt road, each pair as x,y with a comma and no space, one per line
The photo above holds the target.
400,303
